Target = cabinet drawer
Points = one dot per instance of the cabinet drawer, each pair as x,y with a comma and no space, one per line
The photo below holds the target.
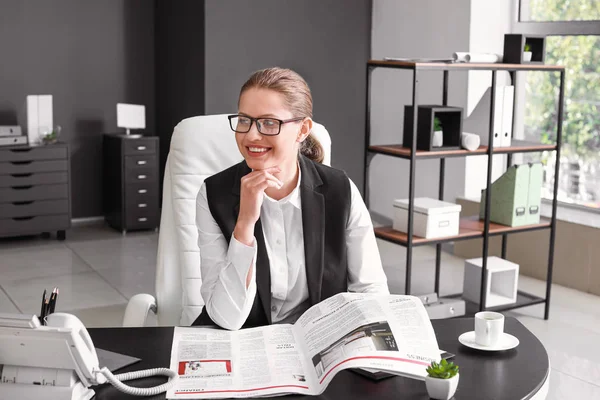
145,218
141,174
26,225
33,208
141,193
145,206
139,146
28,193
25,167
34,153
33,179
135,162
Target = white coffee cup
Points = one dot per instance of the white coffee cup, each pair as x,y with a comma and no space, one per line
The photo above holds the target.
489,326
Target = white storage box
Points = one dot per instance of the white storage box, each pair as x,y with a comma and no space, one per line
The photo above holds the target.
502,281
432,218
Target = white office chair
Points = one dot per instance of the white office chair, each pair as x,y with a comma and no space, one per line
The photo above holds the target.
200,147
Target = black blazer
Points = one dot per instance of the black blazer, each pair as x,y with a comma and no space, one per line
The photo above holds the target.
325,199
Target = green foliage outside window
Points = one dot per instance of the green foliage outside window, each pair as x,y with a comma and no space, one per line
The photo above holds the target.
581,120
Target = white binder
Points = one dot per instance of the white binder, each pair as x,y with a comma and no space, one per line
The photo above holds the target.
507,116
498,106
32,119
45,113
39,116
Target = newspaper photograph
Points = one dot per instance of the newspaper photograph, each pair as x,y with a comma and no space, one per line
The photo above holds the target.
366,338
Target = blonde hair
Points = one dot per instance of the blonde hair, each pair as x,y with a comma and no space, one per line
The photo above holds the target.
297,98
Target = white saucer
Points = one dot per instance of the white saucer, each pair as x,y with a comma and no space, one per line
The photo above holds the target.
506,342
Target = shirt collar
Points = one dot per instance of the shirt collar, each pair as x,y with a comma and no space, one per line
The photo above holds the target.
294,197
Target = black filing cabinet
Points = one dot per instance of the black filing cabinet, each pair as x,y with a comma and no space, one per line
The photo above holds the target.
35,190
130,181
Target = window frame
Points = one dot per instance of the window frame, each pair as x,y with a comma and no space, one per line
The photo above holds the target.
546,28
554,28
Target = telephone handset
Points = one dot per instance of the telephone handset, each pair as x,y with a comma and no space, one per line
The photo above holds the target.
58,361
84,355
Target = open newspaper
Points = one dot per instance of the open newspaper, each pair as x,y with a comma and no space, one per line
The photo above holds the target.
389,333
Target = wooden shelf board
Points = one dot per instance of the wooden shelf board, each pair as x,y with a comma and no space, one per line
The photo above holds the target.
463,66
474,223
521,146
397,150
469,228
387,233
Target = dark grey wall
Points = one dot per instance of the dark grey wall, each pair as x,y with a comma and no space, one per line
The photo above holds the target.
325,41
179,54
89,55
92,54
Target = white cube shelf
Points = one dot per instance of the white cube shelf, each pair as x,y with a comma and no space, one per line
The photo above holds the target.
502,281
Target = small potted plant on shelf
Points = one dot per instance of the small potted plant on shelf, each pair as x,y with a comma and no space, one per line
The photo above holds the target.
442,380
527,53
438,134
50,136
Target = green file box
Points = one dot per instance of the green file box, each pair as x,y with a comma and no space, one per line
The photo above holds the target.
510,193
534,199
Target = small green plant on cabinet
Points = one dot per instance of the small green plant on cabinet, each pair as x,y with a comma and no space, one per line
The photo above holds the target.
437,124
52,136
527,47
443,370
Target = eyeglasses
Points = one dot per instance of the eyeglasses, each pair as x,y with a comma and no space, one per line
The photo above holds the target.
265,126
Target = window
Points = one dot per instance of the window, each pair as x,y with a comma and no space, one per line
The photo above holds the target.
559,10
576,45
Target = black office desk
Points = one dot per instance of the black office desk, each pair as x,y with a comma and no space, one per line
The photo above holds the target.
515,374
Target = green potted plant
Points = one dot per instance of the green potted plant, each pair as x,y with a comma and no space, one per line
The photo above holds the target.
50,136
527,53
442,380
438,135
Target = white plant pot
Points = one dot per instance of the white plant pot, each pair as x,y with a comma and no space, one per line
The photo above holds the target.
526,56
438,139
441,389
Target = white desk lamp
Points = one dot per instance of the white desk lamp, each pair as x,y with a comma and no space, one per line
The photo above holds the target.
131,116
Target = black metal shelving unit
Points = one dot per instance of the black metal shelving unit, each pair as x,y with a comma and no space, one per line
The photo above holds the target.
470,227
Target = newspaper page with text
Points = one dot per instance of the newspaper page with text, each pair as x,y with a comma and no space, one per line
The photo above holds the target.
349,330
214,363
353,330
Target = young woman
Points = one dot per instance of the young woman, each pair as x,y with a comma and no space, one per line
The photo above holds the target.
280,232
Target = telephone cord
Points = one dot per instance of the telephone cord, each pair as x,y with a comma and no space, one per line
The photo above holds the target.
115,380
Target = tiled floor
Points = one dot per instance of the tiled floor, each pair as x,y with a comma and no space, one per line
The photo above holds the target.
98,270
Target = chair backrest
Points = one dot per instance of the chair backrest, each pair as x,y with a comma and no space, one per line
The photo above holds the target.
200,147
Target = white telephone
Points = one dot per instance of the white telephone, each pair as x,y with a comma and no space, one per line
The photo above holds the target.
58,361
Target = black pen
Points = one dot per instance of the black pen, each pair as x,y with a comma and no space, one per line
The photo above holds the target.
53,301
45,311
43,301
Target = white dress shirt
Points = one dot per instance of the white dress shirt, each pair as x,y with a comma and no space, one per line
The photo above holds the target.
224,268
